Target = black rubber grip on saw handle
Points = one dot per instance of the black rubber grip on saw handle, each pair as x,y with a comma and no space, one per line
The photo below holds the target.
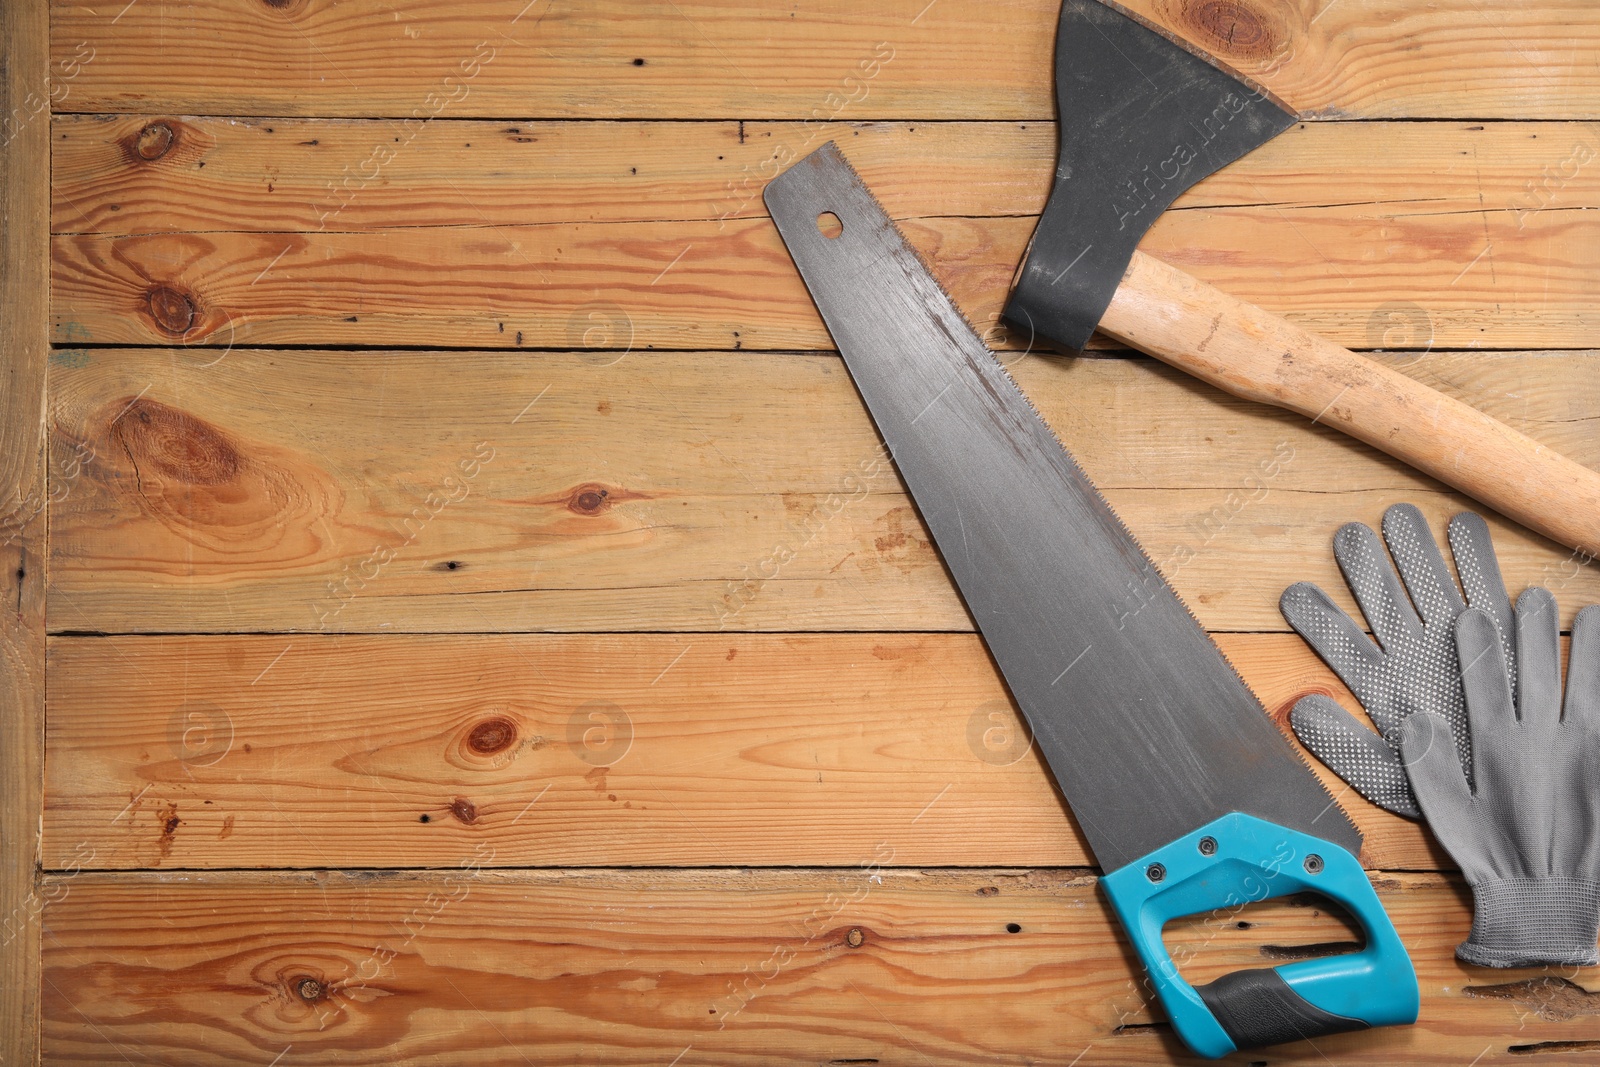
1257,1008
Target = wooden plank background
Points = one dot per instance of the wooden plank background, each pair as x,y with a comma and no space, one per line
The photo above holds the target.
29,86
480,628
726,967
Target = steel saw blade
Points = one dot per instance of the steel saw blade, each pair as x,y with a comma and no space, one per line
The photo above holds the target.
1148,729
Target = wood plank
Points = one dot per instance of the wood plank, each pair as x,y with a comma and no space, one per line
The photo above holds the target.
865,965
710,59
1494,278
286,174
28,85
289,174
694,749
253,490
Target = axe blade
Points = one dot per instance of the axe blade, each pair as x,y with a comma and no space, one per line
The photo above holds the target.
1141,119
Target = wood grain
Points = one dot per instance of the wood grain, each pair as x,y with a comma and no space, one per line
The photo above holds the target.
28,85
292,174
961,59
361,174
1495,278
254,490
862,965
694,749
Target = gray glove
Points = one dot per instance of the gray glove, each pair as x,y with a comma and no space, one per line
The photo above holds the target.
1527,834
1415,668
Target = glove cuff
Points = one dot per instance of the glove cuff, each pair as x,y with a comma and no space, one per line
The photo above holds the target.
1522,922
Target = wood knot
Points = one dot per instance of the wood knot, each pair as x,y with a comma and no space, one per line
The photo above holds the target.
589,499
310,989
1231,27
491,736
464,810
1281,713
154,140
173,311
855,938
176,444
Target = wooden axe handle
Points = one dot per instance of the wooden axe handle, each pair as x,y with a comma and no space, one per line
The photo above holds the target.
1254,354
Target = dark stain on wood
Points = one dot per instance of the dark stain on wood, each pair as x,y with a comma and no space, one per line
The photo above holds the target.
900,543
1553,1046
1549,997
168,817
1309,952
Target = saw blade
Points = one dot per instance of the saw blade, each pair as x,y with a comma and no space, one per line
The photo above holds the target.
1148,729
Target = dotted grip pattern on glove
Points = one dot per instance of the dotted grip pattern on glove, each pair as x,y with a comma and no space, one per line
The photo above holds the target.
1526,831
1412,667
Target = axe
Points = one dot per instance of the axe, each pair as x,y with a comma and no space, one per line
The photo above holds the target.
1142,117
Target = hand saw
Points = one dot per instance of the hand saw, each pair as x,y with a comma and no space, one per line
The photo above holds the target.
1190,797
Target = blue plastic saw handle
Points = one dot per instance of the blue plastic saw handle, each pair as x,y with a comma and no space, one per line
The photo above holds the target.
1237,860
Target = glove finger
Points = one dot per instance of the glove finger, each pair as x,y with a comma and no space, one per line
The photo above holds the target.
1538,681
1421,564
1353,752
1478,566
1339,640
1479,569
1434,767
1490,712
1583,669
1375,584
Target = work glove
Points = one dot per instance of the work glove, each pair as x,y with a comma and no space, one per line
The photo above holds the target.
1413,666
1526,832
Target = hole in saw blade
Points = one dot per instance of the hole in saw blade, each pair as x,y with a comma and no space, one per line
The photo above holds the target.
829,225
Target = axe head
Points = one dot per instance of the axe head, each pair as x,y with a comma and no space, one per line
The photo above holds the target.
1141,118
